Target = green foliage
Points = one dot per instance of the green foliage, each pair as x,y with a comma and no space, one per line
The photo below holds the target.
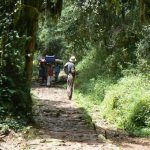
49,42
142,52
14,92
95,88
88,105
111,42
9,123
17,30
111,47
4,129
128,101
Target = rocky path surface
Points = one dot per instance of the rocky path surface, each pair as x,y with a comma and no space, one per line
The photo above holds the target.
62,126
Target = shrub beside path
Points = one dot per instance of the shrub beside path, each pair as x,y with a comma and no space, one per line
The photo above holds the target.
61,125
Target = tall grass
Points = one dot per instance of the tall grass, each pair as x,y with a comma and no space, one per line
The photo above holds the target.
124,102
129,102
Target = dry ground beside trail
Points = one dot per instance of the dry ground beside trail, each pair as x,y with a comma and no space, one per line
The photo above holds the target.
62,126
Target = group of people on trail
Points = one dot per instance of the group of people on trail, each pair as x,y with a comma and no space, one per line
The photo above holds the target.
48,71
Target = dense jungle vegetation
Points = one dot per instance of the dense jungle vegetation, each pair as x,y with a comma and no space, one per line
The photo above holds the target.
111,40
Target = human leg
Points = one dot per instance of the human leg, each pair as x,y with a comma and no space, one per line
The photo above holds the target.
48,81
70,86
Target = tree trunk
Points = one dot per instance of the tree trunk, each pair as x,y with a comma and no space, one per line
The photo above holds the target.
142,10
30,49
26,23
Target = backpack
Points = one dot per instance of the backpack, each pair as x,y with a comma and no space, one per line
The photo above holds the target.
66,68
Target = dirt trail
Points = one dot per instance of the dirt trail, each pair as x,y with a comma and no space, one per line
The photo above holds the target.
62,126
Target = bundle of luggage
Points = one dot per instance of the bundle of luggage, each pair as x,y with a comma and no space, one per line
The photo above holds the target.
51,59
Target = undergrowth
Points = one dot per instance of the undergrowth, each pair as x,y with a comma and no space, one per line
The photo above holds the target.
129,102
124,102
15,123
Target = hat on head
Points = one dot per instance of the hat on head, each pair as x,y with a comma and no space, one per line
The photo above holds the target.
72,59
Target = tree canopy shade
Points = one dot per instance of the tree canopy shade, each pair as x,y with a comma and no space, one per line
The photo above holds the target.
18,27
144,11
109,36
26,22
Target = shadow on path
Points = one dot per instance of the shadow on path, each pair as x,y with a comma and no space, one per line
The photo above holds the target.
59,118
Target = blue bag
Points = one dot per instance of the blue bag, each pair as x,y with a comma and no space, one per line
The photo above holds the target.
49,59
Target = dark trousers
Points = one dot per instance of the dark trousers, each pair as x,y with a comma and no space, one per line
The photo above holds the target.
56,76
44,74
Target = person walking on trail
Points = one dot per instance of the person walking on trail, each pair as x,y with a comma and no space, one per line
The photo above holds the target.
57,71
49,75
70,66
43,71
